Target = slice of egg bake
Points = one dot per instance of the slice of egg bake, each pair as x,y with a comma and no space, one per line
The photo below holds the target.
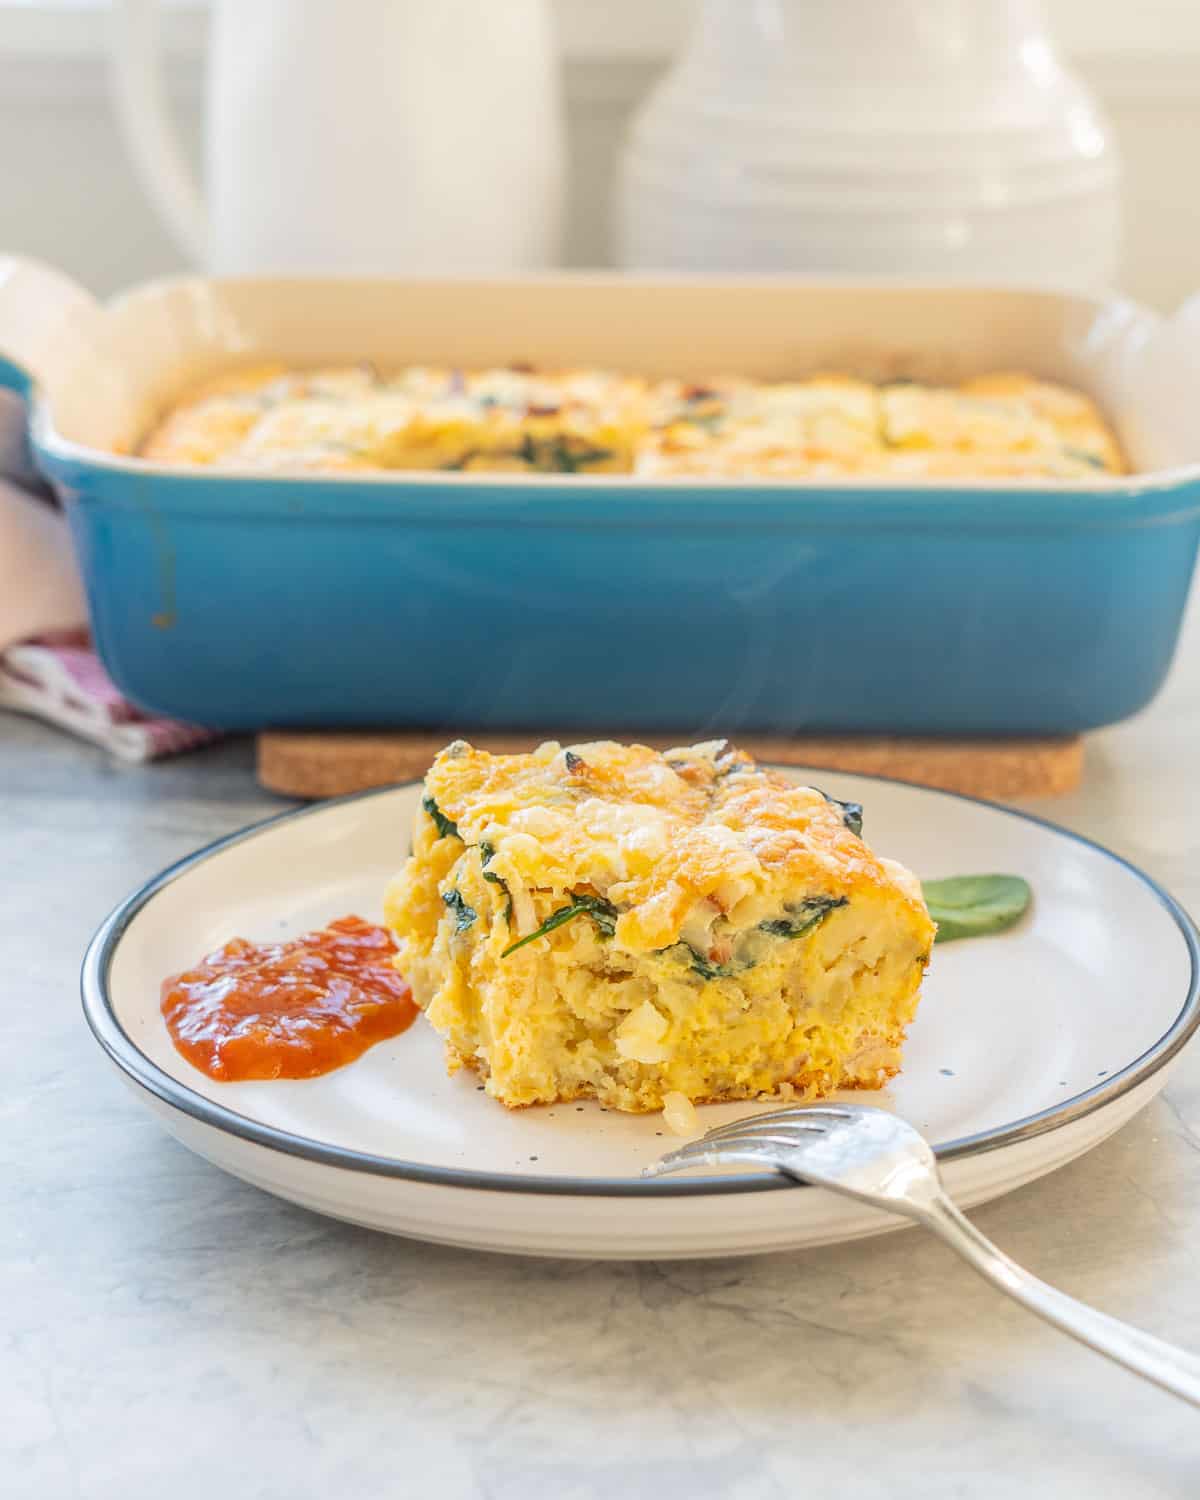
605,921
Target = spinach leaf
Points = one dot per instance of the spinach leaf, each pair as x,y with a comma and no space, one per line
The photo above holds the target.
803,917
595,456
447,829
852,813
570,458
485,853
704,966
1081,455
974,905
712,420
464,915
559,454
602,912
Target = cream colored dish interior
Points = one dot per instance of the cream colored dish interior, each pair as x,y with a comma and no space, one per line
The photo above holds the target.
110,371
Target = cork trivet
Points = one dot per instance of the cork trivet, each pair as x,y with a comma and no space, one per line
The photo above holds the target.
330,764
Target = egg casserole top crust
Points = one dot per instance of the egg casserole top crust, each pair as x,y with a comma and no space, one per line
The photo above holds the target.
357,419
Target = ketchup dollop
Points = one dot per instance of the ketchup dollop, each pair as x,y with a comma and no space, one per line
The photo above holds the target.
293,1009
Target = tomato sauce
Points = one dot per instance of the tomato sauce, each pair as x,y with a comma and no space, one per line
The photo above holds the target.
293,1009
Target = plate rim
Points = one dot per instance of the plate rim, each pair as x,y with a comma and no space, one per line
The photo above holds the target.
142,1071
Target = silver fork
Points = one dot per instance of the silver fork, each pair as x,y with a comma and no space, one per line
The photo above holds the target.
879,1159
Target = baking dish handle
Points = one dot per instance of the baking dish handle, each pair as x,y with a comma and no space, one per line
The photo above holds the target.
40,315
41,312
1184,327
1158,372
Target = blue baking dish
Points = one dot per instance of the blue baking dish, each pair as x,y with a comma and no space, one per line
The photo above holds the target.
607,602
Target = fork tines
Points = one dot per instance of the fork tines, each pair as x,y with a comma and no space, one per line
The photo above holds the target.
801,1117
750,1139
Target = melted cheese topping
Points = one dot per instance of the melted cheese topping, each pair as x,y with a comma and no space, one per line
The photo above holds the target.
697,832
595,421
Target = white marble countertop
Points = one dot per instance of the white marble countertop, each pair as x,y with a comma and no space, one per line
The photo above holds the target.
168,1331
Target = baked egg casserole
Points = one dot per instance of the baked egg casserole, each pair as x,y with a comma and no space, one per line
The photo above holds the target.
358,419
605,921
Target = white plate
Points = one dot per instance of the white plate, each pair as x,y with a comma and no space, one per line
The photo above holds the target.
1029,1048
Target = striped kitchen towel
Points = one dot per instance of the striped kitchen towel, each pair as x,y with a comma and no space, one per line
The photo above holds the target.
60,678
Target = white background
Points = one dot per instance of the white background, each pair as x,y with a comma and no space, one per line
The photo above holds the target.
67,193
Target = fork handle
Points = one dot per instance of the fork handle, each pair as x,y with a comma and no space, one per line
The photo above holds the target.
1166,1365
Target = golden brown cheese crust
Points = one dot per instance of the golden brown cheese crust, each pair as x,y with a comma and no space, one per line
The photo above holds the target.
719,824
606,921
356,418
421,417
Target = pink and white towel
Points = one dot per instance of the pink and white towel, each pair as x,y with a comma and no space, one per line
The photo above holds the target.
61,679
